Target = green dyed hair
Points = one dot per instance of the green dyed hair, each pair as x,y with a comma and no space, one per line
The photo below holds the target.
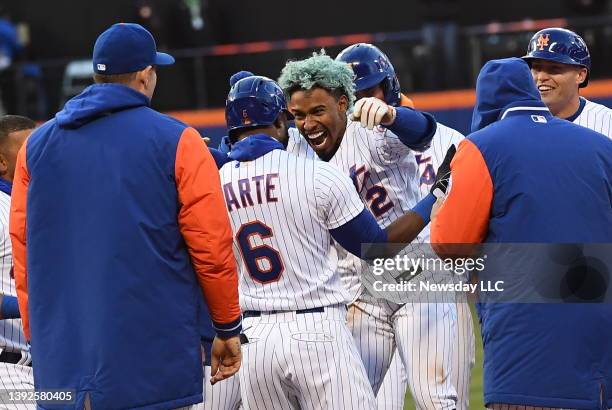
322,71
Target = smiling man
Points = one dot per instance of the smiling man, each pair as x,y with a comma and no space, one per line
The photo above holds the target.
560,65
375,145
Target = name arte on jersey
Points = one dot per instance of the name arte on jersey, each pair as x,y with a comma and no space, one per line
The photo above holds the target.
375,195
262,185
428,176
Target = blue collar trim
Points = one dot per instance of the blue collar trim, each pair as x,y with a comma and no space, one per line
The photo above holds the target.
571,118
526,110
254,147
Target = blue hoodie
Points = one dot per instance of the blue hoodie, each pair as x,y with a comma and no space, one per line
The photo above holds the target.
524,176
114,271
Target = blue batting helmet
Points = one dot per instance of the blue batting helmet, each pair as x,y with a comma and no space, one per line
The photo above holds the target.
559,45
372,67
254,101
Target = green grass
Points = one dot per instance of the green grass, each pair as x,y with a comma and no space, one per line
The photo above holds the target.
476,399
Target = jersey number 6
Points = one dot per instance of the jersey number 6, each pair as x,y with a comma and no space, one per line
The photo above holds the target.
263,262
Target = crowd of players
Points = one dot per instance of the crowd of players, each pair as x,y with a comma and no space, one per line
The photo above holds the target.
360,166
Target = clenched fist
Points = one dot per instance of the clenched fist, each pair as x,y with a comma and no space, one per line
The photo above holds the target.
372,112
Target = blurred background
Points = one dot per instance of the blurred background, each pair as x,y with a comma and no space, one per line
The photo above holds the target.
436,46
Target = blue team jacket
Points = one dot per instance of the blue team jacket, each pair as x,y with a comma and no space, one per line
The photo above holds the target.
524,176
114,302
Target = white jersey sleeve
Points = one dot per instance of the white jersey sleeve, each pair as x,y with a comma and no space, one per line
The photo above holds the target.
596,117
339,202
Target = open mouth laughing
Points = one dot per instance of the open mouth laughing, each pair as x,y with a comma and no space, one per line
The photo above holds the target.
317,139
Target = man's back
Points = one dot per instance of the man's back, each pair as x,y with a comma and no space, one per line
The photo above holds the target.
107,263
550,175
527,177
281,209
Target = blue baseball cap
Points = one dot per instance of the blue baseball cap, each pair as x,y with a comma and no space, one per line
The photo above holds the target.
126,48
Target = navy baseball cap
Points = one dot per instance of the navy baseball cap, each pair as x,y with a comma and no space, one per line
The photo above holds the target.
126,48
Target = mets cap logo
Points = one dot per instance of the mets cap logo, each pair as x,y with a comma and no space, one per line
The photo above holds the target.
245,118
543,40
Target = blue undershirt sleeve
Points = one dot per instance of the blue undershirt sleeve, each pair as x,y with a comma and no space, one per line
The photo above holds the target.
414,128
9,309
361,229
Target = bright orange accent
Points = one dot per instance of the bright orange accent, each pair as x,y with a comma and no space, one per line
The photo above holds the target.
525,25
297,43
432,101
205,226
226,49
257,47
406,102
464,216
17,229
597,89
356,38
201,118
326,41
445,100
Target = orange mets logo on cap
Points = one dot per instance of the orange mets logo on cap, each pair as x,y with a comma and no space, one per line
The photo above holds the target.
245,118
543,40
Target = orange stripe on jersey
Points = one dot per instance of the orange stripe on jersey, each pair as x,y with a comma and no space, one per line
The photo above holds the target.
204,224
464,215
406,102
17,229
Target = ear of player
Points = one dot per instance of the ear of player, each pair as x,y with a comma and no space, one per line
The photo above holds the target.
372,112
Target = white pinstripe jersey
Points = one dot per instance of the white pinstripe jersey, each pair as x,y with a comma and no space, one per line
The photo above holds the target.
596,117
281,208
384,172
11,335
430,160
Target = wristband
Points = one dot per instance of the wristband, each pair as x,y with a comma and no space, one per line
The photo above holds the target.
9,307
423,207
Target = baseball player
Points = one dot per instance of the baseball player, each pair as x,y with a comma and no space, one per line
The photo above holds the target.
375,77
285,210
15,359
377,151
560,63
